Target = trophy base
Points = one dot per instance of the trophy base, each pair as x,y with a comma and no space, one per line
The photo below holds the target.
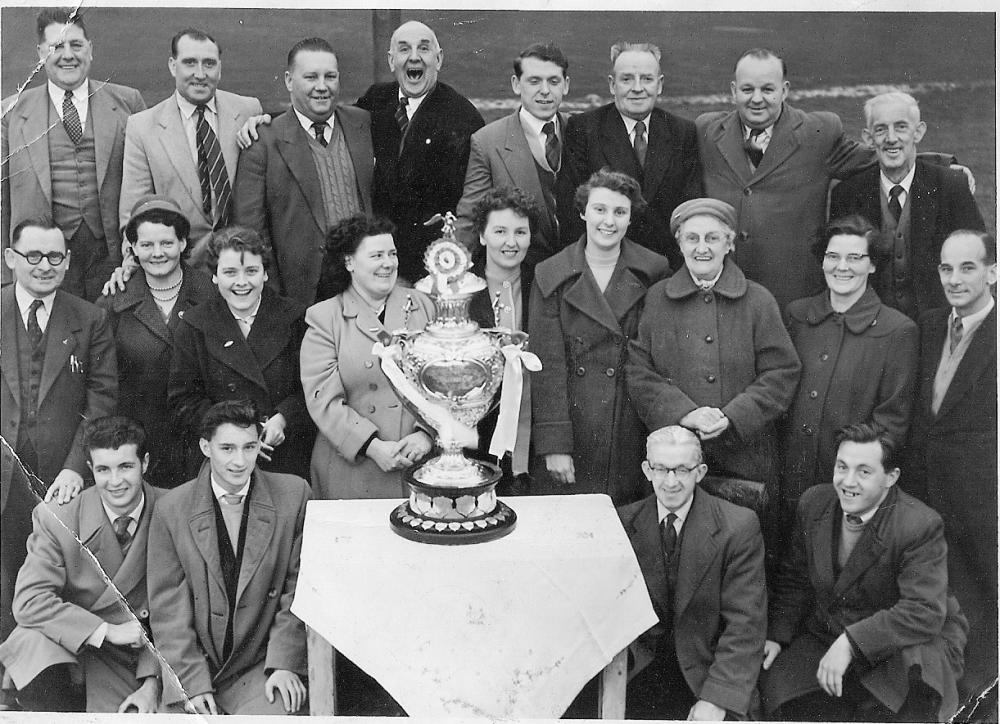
453,515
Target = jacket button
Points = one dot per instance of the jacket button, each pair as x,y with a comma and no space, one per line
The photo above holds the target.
709,338
580,371
371,409
372,386
708,298
143,613
368,364
610,371
807,430
272,593
744,235
710,378
748,191
231,387
824,357
814,394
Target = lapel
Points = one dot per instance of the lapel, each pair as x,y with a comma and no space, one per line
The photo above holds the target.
270,332
98,537
618,152
728,138
34,127
137,301
260,530
648,548
784,142
869,548
229,124
104,113
292,145
923,202
869,199
820,535
357,144
586,297
979,360
60,343
224,340
932,333
698,549
625,289
206,540
132,572
658,157
173,138
365,319
10,315
517,157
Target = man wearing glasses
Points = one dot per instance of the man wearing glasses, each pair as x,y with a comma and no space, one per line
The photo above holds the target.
703,562
57,359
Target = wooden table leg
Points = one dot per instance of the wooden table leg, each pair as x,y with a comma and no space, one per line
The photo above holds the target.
322,675
611,687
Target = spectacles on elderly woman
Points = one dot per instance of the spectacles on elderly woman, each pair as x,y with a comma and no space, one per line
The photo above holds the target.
712,237
832,257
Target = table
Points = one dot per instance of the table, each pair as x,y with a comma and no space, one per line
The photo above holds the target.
512,628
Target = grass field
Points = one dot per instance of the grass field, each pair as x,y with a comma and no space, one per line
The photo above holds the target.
825,52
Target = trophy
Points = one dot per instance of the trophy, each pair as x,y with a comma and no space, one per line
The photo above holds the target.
447,375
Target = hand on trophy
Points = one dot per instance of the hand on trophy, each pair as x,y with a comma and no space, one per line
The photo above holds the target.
414,447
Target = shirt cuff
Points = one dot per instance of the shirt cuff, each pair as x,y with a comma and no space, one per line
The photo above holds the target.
96,639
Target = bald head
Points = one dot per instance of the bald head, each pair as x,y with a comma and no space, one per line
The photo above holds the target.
415,57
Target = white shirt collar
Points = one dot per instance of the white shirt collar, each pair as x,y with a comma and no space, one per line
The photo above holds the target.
246,318
219,491
867,515
80,94
412,104
706,284
24,300
535,124
681,513
188,108
307,123
972,321
630,123
133,514
905,183
765,134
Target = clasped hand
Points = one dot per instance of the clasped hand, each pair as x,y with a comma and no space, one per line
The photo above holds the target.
707,422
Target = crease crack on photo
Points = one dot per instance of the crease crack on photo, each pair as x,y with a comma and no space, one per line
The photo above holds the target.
37,488
972,703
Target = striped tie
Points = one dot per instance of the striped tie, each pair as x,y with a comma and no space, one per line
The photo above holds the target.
71,119
212,173
402,119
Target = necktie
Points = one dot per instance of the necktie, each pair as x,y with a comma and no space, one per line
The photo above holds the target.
71,119
402,120
955,333
639,143
552,150
668,535
232,499
34,328
895,207
212,172
320,130
754,152
121,530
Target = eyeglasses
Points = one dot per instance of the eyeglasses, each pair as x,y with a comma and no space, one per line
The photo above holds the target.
712,237
831,257
55,258
661,471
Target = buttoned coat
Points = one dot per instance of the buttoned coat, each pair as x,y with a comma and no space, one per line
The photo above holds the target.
187,593
420,173
159,158
75,578
500,156
212,361
579,403
79,382
144,343
891,599
939,203
724,348
25,173
348,395
720,601
859,366
779,205
671,175
277,193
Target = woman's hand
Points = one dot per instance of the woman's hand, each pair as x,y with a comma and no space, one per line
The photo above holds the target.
413,447
385,454
560,467
272,434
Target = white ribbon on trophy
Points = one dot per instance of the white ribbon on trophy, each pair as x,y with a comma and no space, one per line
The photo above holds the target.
505,433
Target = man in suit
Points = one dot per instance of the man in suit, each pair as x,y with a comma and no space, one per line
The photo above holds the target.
523,150
952,463
915,204
860,623
174,149
58,364
703,562
223,560
632,135
81,593
310,168
420,130
62,153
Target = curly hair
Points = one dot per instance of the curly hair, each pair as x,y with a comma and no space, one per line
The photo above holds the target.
341,242
616,181
500,199
237,238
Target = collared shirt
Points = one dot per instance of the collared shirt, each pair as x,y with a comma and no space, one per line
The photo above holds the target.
189,119
81,99
868,514
412,104
533,134
706,284
630,127
763,140
681,513
905,183
971,322
134,514
218,491
950,360
307,124
246,322
24,300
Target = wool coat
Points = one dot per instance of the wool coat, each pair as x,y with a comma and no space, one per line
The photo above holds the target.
724,348
579,402
348,395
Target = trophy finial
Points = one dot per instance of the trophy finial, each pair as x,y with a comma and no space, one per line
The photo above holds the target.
448,219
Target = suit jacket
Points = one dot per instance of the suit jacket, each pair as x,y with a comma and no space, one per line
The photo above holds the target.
187,592
213,362
940,202
25,155
348,395
720,600
420,174
891,599
277,192
500,156
781,204
144,344
672,173
79,382
62,596
159,160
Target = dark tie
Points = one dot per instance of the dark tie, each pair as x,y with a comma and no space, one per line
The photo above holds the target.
552,149
668,536
402,120
754,152
320,130
212,172
955,333
71,119
121,530
34,328
895,208
639,143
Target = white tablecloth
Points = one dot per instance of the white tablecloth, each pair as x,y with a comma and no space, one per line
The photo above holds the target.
510,628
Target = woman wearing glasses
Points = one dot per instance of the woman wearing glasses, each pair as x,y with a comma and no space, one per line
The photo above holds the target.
859,357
